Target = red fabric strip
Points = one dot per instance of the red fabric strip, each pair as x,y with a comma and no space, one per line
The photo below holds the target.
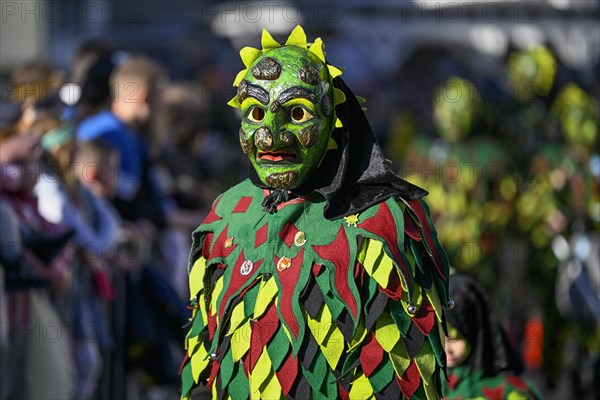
494,394
212,215
410,380
287,374
206,245
316,269
187,357
261,235
338,252
213,372
242,205
218,248
236,281
262,332
517,382
411,228
211,323
394,289
288,278
371,355
425,317
382,224
288,233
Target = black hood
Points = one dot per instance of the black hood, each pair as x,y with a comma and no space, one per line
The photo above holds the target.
355,176
474,317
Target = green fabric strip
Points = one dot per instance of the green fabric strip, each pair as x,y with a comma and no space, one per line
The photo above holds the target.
187,381
400,317
239,388
382,376
226,369
278,348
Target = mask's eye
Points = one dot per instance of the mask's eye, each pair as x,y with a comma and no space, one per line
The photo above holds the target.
256,114
300,115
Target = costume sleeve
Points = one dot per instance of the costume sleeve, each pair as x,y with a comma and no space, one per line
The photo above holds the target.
405,296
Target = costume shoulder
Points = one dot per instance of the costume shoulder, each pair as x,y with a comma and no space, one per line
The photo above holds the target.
462,384
292,305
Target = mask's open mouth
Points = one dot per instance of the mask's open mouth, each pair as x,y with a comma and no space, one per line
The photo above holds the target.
276,156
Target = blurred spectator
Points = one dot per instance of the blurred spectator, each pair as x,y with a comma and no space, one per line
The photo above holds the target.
34,258
482,363
36,88
133,84
91,68
68,201
154,312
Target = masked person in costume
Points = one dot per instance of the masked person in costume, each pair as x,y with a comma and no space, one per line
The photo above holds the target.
482,362
320,276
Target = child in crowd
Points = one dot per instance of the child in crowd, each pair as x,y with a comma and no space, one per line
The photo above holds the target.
482,362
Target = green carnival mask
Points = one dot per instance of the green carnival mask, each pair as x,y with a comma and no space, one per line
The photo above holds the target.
288,108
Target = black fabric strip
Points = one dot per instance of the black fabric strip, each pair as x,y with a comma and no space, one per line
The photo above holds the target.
312,298
300,390
413,341
309,349
390,392
345,323
376,309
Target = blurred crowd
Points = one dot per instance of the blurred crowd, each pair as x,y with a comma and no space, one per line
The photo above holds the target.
512,167
101,185
102,182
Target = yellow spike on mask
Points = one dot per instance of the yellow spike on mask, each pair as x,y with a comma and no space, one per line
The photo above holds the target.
332,144
338,123
235,103
360,99
317,49
297,38
334,71
249,55
239,77
338,96
267,41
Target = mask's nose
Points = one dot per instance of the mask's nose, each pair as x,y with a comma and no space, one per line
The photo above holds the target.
272,135
263,138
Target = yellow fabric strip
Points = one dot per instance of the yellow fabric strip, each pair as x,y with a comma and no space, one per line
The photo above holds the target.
320,325
361,388
260,373
359,336
240,341
434,299
372,251
199,362
383,271
271,388
333,346
196,277
386,332
266,294
215,294
191,344
202,308
237,317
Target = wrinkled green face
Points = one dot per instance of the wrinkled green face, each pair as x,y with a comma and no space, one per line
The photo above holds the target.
287,115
